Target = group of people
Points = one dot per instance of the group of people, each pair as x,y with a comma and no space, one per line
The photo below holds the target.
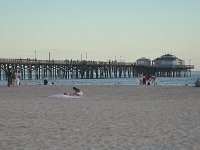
147,80
13,77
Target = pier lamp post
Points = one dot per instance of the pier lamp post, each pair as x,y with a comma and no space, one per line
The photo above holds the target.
49,56
35,55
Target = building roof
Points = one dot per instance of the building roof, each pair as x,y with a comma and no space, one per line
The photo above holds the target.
166,57
144,59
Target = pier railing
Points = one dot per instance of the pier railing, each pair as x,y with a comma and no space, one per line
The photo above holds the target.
61,62
174,66
77,62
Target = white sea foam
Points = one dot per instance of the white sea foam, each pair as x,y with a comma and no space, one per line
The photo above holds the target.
64,96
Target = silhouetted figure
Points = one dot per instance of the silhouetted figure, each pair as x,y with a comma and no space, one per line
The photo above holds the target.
197,83
45,81
9,77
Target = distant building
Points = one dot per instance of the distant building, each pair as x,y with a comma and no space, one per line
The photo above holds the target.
143,62
168,60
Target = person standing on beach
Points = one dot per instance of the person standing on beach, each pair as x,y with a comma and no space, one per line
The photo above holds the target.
45,81
17,77
141,78
153,80
197,83
9,77
13,78
145,78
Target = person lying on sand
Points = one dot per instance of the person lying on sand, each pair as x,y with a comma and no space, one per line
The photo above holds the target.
77,92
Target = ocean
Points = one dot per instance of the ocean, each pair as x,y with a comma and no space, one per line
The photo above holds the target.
169,81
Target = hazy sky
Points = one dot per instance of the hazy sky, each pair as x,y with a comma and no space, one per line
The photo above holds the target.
104,29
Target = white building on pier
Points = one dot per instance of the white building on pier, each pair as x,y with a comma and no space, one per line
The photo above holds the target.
168,60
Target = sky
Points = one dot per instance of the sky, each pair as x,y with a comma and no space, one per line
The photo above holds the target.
100,30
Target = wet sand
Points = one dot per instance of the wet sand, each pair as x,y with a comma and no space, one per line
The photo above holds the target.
105,118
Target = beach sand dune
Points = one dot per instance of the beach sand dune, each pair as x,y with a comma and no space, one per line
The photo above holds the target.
106,117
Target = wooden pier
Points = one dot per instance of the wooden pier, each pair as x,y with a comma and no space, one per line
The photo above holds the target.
71,69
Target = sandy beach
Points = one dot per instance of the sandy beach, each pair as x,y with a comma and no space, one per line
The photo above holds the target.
104,118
